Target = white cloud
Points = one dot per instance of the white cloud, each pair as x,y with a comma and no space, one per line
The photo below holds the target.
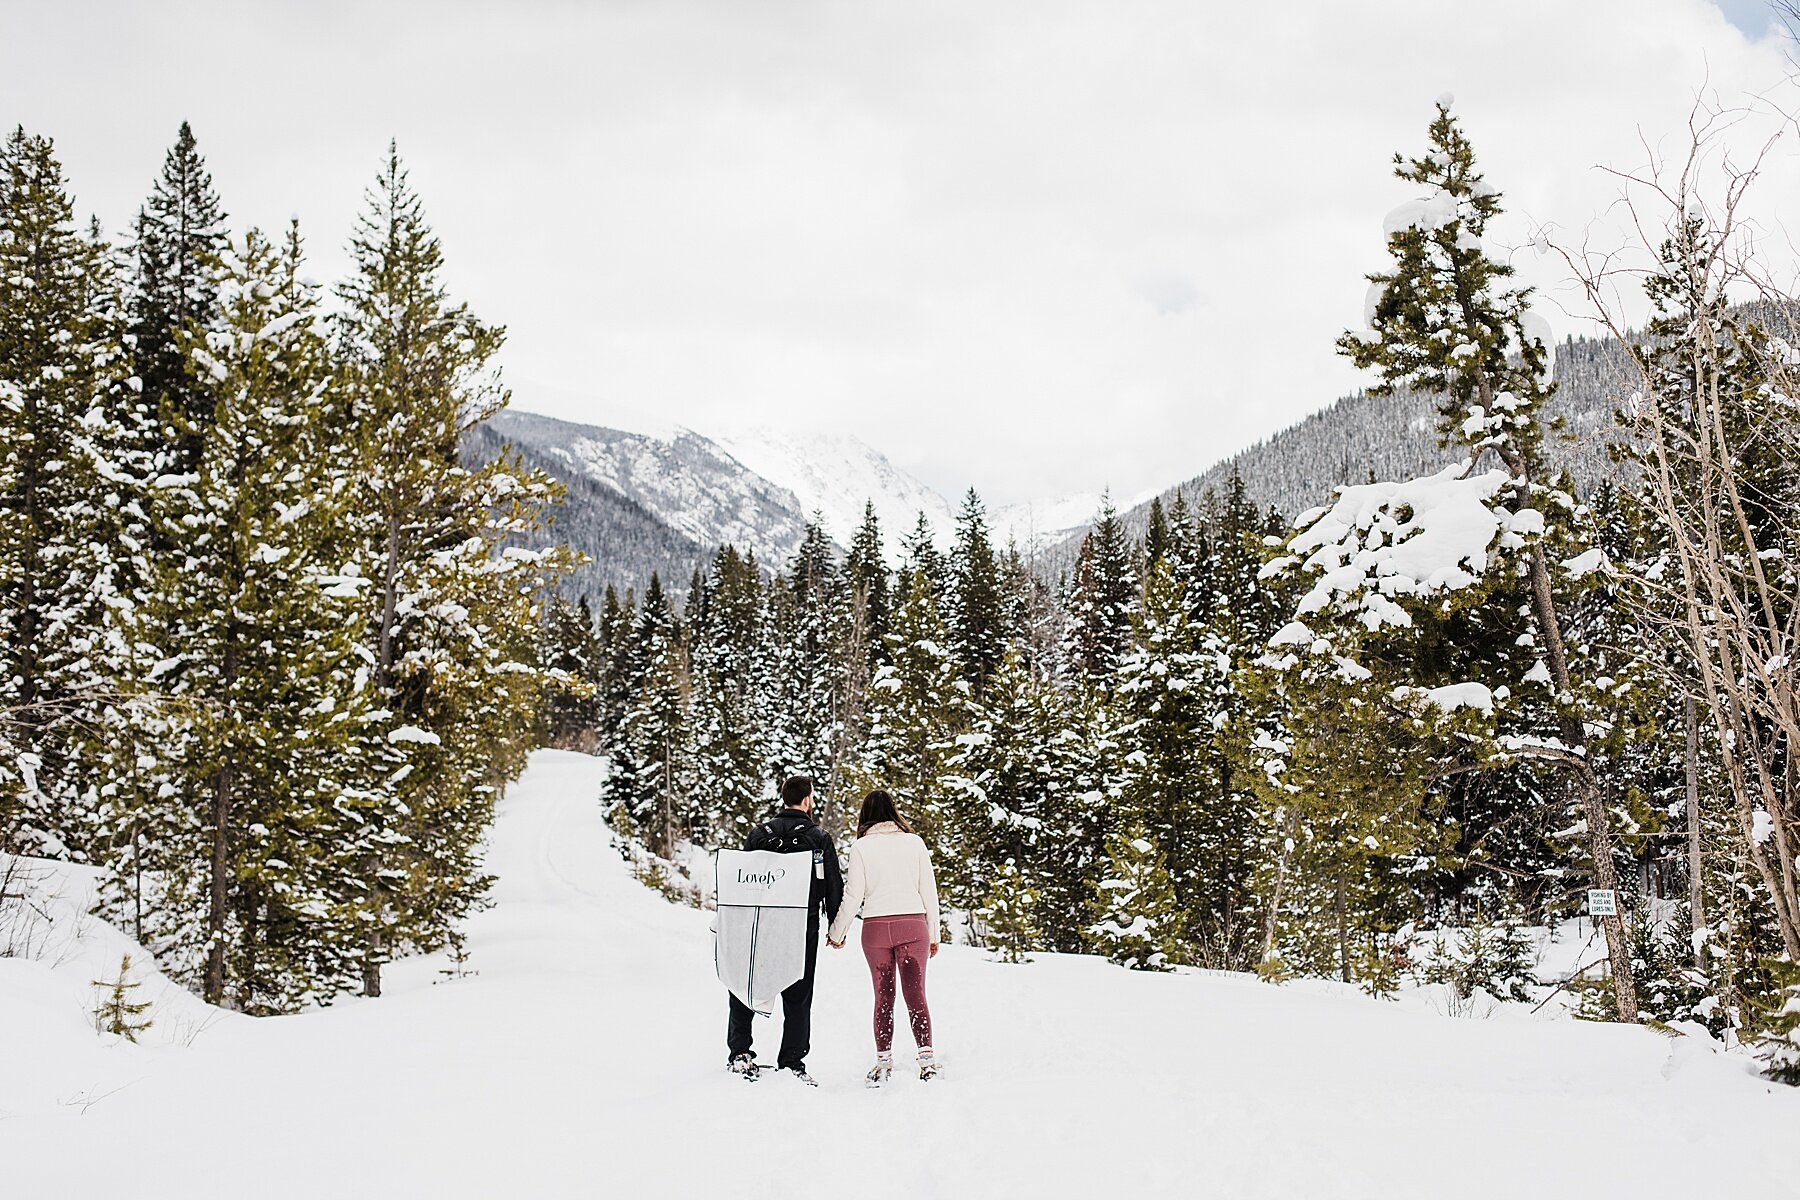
1035,247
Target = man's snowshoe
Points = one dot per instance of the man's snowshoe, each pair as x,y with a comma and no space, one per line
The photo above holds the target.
745,1065
800,1074
880,1073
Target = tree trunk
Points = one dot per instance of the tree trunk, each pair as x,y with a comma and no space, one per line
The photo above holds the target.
390,603
668,806
1272,916
1574,737
219,890
137,881
25,627
219,893
372,962
1343,928
384,674
1696,884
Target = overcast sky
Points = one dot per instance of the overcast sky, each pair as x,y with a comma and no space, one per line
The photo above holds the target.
1035,247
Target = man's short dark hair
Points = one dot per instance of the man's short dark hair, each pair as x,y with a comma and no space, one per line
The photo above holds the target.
795,791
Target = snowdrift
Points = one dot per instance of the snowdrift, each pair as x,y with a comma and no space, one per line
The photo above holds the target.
585,1057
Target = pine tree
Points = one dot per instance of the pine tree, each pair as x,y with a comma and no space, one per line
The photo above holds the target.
1779,1035
917,705
920,556
266,677
1008,912
571,657
974,609
860,620
70,529
1246,608
616,685
1339,767
1105,595
866,577
1446,320
267,597
1156,535
1032,784
1137,919
650,779
1173,692
1030,612
806,674
119,1012
454,599
728,657
179,238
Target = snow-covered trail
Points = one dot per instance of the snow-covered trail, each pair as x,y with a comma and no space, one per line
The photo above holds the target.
586,1059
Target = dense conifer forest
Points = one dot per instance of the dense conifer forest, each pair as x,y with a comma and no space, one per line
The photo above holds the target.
281,625
1376,741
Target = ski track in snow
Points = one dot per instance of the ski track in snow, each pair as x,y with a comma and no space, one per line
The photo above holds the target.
586,1060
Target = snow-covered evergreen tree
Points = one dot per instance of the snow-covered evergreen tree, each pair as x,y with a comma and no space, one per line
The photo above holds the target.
1104,597
868,585
178,239
651,776
1179,789
804,720
571,656
728,655
454,597
1446,320
1137,918
71,528
1033,783
267,750
975,609
918,703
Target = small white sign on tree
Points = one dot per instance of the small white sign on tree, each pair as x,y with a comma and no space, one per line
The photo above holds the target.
1603,902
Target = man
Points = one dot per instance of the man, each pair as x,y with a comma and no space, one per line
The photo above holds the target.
792,831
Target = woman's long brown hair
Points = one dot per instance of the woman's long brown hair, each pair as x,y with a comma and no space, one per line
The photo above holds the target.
878,806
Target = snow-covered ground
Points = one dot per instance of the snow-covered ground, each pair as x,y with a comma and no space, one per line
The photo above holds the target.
586,1060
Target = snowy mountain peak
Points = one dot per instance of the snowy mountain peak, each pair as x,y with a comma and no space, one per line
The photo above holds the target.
834,476
662,500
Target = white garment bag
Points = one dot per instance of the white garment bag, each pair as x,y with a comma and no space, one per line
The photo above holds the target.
760,948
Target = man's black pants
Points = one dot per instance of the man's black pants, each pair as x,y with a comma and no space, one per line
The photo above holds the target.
796,1013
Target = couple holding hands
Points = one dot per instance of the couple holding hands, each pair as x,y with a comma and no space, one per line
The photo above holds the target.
890,883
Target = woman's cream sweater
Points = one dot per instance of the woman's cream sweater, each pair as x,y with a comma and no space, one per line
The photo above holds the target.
889,876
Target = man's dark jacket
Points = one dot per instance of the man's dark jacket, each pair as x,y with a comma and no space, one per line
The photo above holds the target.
791,831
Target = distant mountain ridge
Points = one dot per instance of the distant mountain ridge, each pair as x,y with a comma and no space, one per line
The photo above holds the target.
640,502
1395,437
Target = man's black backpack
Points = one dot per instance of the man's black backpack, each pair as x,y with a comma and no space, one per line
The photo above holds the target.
784,835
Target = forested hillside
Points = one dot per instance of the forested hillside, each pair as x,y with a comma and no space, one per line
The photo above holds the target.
1363,437
623,541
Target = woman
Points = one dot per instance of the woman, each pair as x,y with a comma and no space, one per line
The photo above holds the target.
890,880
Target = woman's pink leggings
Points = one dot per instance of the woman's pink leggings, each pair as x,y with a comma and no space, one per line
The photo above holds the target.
898,946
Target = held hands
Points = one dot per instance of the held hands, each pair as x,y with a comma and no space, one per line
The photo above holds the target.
934,950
